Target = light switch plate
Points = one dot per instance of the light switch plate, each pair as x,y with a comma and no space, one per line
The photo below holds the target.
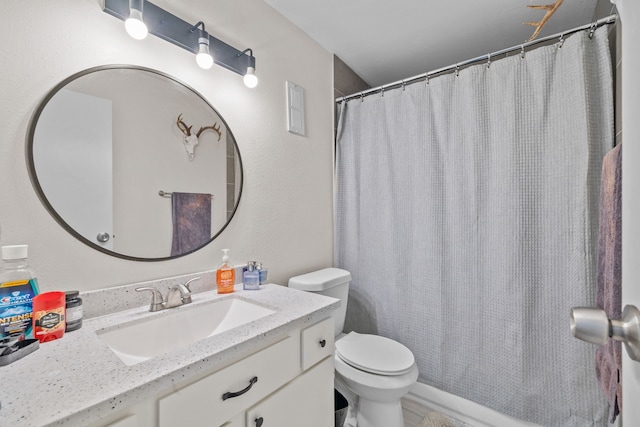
295,108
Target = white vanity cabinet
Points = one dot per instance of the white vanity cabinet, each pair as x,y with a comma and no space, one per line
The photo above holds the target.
215,399
289,383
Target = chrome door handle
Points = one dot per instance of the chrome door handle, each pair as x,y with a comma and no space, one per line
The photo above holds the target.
592,325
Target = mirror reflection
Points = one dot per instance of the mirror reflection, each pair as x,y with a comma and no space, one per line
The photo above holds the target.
134,163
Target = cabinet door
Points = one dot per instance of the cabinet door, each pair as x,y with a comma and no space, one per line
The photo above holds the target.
306,401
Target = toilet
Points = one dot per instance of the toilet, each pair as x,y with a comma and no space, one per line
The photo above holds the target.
379,370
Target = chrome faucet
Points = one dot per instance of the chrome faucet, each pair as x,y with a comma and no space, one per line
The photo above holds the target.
177,295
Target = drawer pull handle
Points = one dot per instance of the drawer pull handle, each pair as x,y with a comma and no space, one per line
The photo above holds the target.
259,421
323,343
230,394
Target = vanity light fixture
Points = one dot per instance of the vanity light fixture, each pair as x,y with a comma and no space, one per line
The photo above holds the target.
250,78
203,57
208,49
134,24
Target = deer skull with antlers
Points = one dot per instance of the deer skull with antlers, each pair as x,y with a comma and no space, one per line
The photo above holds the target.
190,141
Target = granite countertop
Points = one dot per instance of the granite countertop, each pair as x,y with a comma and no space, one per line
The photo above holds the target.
77,379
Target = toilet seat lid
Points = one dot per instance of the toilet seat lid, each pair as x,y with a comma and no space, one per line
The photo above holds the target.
375,354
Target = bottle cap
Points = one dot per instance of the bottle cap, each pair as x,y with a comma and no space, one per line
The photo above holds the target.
14,252
225,257
71,295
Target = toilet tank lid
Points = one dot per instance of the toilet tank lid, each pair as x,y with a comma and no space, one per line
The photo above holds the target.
320,280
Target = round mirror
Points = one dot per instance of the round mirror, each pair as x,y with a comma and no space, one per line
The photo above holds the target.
134,163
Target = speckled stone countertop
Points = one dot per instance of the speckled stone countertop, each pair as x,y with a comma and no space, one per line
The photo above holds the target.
77,379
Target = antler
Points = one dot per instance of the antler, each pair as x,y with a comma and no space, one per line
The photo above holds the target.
550,10
183,126
213,128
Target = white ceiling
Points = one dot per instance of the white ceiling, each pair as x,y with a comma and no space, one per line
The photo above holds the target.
384,41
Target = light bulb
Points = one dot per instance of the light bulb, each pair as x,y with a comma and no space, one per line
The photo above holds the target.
135,25
204,58
250,79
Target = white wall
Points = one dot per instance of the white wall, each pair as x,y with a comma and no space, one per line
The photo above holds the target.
285,215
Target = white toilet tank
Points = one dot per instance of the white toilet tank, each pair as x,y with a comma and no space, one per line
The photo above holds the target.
332,282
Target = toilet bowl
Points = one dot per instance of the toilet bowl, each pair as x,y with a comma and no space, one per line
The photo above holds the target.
379,370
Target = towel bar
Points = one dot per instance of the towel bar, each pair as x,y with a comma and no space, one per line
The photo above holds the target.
166,194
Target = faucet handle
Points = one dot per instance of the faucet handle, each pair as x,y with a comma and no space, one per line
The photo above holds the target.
186,296
189,282
156,298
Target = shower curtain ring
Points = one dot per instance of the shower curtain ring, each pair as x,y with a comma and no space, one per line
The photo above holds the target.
361,97
427,79
382,92
561,40
489,61
457,70
592,29
403,85
522,51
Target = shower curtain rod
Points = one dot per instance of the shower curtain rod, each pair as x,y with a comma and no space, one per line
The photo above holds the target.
611,19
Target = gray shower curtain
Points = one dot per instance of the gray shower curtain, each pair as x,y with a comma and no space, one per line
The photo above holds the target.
466,211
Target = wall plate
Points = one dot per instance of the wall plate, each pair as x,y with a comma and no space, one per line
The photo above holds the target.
295,108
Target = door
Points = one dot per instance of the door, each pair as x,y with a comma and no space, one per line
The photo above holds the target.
77,178
629,11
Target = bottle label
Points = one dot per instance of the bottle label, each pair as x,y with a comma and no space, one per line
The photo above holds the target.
49,324
16,307
49,320
226,275
74,314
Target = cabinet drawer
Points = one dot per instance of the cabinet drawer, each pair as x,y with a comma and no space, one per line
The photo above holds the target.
306,401
317,342
202,404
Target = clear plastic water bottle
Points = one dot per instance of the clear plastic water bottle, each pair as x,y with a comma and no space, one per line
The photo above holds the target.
18,287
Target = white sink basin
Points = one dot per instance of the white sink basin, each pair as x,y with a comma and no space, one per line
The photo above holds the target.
175,328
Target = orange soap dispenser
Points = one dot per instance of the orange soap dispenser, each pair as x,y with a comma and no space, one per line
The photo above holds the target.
225,275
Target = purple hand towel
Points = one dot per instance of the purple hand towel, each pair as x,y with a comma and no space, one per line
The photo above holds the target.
609,281
191,221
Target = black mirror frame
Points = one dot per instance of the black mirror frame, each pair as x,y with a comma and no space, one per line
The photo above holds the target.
43,198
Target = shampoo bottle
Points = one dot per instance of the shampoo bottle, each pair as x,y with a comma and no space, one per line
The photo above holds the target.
225,275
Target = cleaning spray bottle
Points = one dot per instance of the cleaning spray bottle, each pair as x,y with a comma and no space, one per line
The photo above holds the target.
225,275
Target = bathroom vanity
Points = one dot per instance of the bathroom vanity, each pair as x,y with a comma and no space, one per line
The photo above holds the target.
276,370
